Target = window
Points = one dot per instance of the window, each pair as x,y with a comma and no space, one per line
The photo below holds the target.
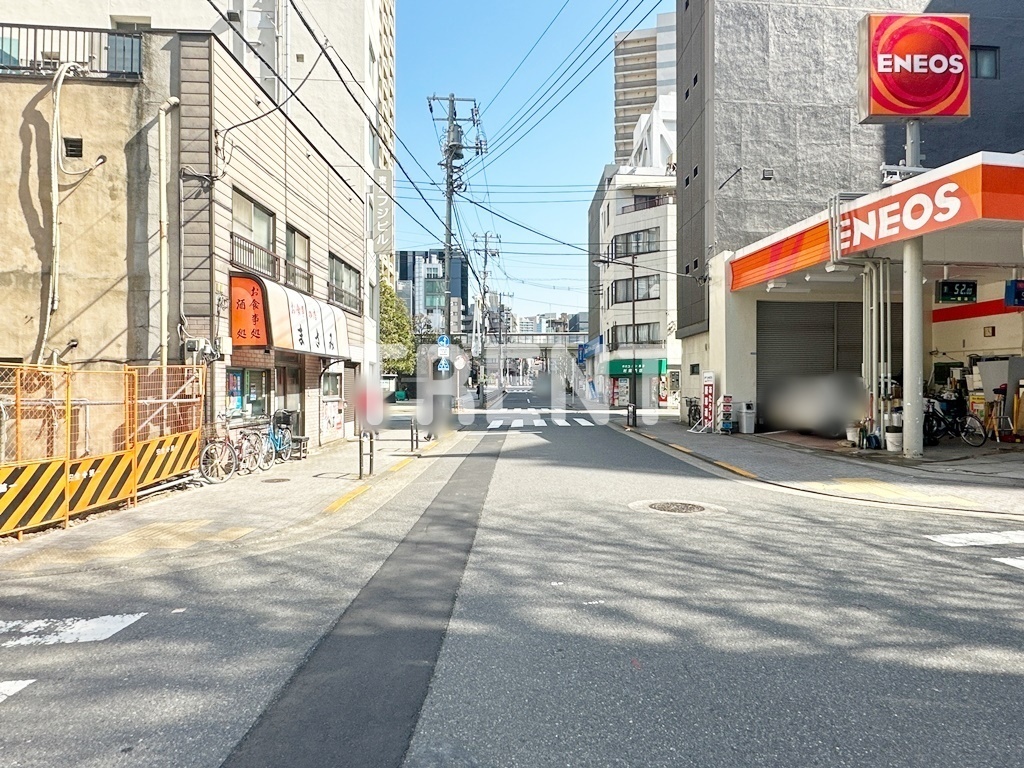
247,392
252,221
345,285
644,333
644,241
648,287
622,291
695,369
331,385
297,260
984,62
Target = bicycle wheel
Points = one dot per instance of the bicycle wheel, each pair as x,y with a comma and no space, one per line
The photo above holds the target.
284,435
265,458
934,427
217,461
249,452
693,416
972,431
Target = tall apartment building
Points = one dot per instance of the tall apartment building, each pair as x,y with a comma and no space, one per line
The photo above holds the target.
645,68
422,285
768,133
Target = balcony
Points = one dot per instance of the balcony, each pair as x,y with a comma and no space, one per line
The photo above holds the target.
345,299
646,204
252,257
32,50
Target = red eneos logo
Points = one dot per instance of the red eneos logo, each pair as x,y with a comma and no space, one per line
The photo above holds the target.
917,66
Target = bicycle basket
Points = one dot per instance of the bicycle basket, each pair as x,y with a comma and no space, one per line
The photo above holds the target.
283,419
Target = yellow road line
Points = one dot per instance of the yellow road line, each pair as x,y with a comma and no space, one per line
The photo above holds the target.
339,503
679,448
399,465
737,470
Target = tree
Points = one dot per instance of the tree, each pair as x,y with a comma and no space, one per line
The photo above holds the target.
397,348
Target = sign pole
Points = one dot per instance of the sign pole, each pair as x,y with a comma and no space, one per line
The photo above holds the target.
913,332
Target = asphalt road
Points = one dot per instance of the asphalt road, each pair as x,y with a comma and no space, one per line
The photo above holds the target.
514,603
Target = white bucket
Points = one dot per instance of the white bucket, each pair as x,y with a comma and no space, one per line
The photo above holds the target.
894,442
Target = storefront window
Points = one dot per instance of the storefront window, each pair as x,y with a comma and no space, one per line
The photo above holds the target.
331,386
247,392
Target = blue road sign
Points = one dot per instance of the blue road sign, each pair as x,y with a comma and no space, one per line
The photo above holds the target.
443,364
443,341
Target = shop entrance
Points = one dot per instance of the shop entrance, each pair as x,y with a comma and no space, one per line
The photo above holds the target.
288,391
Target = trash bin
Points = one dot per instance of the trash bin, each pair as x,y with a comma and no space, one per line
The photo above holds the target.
745,416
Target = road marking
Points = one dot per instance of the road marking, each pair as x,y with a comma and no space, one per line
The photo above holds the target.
1016,562
399,465
55,631
679,448
517,423
979,539
845,486
737,470
517,410
561,422
339,503
10,687
531,410
584,422
539,423
495,424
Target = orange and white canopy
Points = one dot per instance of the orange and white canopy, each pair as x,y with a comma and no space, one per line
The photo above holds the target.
969,212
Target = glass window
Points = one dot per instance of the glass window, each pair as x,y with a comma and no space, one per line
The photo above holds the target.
622,291
985,62
246,392
631,243
331,386
648,287
252,221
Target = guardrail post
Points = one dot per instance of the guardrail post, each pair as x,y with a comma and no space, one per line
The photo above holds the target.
361,454
373,450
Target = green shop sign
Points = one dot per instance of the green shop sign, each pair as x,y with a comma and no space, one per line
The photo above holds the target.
643,367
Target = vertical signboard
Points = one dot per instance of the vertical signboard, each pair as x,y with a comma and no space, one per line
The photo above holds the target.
708,402
383,211
914,66
248,318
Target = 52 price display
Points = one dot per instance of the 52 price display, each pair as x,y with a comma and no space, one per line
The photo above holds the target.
956,291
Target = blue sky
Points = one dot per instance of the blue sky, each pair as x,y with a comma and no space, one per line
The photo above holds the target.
547,179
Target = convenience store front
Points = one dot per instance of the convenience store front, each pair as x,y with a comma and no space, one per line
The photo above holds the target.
970,216
290,351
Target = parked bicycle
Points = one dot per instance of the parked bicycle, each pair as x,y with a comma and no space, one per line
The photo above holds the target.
276,440
961,423
692,410
218,459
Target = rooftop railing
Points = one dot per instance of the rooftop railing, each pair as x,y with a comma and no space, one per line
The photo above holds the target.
32,50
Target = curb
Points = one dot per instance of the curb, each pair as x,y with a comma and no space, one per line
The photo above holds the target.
746,475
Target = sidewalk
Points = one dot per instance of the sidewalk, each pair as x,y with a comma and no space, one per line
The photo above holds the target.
989,481
261,503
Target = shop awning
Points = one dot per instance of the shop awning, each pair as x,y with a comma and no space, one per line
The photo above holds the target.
643,367
969,212
265,314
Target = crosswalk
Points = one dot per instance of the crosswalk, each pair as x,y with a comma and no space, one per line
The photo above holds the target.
520,423
1007,542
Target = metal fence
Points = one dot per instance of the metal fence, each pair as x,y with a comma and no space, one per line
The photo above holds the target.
34,50
75,441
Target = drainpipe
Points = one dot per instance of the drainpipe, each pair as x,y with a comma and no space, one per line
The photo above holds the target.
166,107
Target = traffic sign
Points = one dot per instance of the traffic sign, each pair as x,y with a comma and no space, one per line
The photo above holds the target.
443,341
443,364
444,351
460,362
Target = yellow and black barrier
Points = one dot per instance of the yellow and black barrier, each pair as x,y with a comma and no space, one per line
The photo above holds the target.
166,457
33,495
101,480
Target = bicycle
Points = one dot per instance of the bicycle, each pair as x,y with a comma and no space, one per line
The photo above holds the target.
276,441
692,410
963,424
218,460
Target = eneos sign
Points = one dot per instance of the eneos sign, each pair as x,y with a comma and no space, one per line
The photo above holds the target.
914,66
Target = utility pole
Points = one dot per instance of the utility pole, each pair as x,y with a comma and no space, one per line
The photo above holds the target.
453,150
484,310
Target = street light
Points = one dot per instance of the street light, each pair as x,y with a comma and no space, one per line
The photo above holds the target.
700,279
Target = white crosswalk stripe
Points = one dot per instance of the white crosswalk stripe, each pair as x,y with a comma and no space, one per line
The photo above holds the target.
539,423
979,539
59,631
517,423
1016,562
495,424
10,687
561,422
584,422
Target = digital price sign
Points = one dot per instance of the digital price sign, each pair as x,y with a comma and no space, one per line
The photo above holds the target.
1014,293
956,291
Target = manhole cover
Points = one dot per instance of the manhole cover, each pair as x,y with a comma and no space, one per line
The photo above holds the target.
677,507
277,480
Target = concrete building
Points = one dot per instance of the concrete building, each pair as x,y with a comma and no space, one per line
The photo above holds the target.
645,68
266,256
361,34
421,275
768,135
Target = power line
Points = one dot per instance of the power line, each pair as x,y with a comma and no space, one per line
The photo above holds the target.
520,224
520,64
